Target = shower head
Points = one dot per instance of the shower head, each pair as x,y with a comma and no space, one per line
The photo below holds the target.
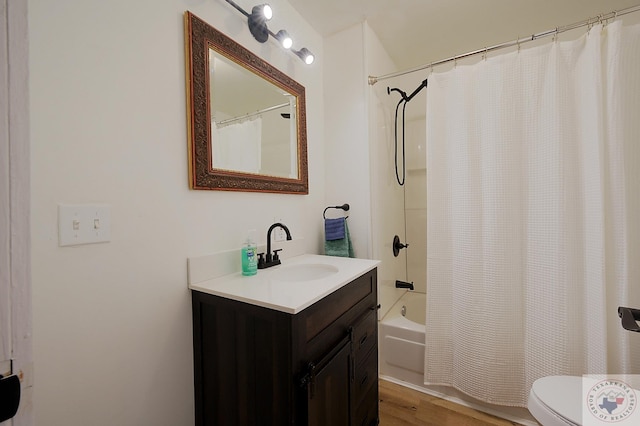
395,89
404,94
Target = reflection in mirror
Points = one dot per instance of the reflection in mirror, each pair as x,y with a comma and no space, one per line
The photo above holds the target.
246,119
253,124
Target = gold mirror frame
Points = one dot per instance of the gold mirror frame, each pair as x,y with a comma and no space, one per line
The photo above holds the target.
199,38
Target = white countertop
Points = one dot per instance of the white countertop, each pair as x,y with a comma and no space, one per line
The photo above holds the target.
266,289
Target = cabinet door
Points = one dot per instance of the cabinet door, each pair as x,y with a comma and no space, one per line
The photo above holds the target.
328,389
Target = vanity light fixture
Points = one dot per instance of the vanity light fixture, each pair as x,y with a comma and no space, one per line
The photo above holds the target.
305,55
257,21
285,39
263,10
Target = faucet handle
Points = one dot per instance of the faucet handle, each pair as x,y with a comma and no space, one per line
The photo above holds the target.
275,255
260,258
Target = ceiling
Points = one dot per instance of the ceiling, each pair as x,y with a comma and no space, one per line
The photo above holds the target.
418,32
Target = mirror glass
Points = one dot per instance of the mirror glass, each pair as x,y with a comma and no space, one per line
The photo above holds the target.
246,119
253,122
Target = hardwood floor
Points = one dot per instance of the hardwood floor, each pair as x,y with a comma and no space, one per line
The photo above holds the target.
400,406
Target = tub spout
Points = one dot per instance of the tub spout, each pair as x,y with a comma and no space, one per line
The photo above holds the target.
402,284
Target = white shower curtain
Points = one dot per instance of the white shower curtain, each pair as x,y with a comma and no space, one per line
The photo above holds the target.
533,231
237,146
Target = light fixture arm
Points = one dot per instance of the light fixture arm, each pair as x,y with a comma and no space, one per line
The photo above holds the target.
238,8
258,28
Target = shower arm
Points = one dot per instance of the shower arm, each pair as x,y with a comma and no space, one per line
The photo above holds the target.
404,94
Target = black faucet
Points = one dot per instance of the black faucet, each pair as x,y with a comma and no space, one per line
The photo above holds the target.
402,284
272,259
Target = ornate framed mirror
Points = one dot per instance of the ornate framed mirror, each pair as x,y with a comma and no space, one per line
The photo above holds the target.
246,119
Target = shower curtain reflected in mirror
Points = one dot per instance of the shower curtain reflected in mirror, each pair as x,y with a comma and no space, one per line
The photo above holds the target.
238,145
534,215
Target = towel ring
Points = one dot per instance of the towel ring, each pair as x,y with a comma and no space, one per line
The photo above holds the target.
344,207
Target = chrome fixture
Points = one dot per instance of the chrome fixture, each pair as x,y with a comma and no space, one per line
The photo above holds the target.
272,259
257,21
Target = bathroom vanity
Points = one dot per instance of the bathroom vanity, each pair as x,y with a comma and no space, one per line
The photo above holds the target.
288,346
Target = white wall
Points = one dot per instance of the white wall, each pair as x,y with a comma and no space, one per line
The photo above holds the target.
387,195
346,135
112,322
359,168
359,140
416,199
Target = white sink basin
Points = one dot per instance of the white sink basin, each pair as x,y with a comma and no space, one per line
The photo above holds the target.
303,272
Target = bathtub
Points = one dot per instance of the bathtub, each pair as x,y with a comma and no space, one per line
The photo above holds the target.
402,340
401,345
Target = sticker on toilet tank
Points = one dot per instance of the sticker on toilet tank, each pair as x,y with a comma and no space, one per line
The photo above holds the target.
610,399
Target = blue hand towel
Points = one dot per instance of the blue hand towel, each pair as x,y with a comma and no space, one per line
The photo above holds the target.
340,247
334,229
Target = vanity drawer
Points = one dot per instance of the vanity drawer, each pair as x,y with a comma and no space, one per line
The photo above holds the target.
364,334
366,375
366,413
324,313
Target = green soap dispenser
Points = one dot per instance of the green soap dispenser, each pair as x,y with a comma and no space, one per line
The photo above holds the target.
249,254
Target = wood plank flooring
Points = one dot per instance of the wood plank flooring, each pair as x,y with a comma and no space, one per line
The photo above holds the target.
401,406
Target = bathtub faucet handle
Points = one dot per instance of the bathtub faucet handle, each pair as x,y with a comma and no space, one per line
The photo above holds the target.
397,246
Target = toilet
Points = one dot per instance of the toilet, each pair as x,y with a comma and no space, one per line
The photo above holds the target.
557,400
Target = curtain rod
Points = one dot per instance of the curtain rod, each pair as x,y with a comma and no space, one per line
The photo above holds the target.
588,22
252,114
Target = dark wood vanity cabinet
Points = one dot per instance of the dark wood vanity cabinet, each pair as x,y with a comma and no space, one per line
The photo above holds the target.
259,366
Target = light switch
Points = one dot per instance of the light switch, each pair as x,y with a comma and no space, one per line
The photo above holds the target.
83,224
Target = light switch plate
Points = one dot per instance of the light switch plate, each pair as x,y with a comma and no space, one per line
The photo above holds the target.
83,224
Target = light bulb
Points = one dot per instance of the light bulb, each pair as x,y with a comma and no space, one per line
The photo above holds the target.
285,39
267,11
305,55
309,59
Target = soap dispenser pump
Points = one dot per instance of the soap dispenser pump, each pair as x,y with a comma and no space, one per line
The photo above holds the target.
249,255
